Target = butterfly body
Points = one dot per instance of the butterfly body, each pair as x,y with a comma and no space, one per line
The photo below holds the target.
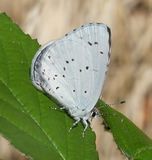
73,69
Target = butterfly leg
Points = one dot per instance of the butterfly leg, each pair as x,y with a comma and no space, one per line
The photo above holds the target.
58,108
62,108
74,124
86,126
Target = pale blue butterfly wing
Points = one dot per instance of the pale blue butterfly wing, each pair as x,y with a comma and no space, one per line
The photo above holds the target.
73,69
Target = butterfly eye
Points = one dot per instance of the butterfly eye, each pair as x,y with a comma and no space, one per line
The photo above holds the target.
93,114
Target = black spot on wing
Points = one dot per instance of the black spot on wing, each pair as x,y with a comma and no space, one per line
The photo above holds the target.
101,52
87,67
57,87
90,43
95,42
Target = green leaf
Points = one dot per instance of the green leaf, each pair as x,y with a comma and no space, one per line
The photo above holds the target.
26,117
130,140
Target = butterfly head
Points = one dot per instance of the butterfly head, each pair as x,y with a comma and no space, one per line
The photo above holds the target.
95,112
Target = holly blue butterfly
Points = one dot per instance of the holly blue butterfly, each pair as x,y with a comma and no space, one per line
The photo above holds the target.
73,69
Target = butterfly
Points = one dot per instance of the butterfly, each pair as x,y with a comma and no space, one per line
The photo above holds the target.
73,69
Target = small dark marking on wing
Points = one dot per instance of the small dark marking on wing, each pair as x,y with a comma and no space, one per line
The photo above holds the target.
72,59
74,30
101,52
66,34
90,43
67,61
64,68
85,91
95,42
73,90
57,87
87,67
55,75
63,76
49,57
80,70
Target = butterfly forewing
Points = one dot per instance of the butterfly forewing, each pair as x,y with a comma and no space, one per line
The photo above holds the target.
73,69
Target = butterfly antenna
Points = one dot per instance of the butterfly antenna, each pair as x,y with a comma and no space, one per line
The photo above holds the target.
118,103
